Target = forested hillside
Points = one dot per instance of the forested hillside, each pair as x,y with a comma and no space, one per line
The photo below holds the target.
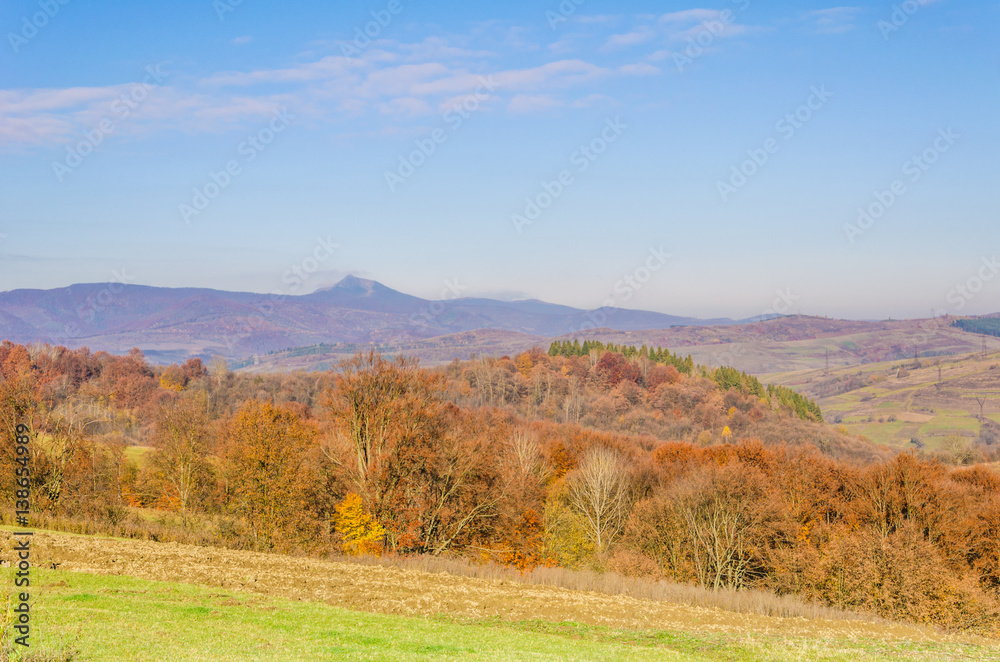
633,461
989,326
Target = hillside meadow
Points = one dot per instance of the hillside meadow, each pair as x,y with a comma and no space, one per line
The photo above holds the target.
179,602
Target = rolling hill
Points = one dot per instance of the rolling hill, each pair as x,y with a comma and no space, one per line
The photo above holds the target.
169,324
761,347
263,332
803,343
932,403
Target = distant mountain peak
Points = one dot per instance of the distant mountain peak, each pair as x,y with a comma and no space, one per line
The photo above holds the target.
350,280
351,284
364,294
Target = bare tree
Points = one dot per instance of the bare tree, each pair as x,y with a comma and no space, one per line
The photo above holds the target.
961,448
525,457
573,402
982,400
725,512
600,492
179,458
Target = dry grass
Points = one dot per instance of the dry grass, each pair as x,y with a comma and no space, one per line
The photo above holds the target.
146,524
429,587
761,603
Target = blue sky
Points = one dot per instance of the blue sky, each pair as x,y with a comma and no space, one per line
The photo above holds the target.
118,123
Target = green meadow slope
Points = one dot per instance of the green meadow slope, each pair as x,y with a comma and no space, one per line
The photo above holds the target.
242,606
122,618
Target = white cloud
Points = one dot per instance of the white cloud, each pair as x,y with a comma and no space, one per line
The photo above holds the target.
598,19
640,69
405,106
562,73
46,117
634,38
438,48
719,30
393,80
680,26
327,67
591,100
691,16
834,20
528,103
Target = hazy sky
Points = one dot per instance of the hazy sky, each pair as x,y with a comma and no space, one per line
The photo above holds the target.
584,153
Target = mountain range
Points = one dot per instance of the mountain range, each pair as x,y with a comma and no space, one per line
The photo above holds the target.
171,323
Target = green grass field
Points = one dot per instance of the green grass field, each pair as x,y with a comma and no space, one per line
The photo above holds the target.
121,618
136,454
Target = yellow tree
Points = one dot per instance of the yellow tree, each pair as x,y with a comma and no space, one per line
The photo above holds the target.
524,364
361,532
173,379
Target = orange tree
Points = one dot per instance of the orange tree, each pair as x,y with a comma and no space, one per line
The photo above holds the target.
267,453
431,473
18,402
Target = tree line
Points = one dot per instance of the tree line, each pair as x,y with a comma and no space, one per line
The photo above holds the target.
660,355
989,326
726,377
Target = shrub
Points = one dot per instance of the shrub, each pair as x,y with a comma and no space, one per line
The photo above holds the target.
630,563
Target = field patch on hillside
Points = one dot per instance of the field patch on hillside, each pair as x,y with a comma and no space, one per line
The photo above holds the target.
928,403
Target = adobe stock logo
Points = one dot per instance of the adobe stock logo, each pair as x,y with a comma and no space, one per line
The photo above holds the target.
454,117
784,304
298,274
220,180
89,310
452,290
294,278
37,21
900,16
372,29
631,283
566,9
708,33
223,7
626,287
